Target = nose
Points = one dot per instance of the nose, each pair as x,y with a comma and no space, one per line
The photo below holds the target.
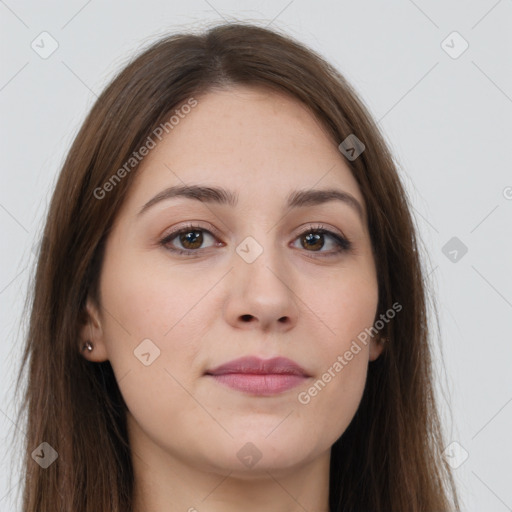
260,294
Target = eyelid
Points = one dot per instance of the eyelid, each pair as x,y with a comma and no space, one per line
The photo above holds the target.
191,225
343,244
318,226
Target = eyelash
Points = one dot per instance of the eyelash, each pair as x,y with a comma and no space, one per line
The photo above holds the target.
343,244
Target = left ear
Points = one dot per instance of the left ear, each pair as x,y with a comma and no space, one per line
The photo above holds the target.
376,347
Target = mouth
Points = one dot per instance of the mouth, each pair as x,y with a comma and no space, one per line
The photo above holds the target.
259,376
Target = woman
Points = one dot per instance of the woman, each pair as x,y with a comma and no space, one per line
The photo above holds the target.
229,310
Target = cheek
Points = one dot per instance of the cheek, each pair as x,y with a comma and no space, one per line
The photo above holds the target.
147,331
148,301
144,314
348,307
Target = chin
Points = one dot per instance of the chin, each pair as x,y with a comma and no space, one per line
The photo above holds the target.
250,456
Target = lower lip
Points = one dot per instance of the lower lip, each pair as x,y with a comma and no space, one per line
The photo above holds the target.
268,384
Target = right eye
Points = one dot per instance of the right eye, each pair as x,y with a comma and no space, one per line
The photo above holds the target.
190,237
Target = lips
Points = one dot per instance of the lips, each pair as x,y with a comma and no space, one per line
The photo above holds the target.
256,366
259,377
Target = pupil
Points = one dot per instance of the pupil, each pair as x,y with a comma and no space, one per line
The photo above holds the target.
196,238
313,237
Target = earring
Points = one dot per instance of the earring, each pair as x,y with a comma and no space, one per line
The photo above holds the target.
88,346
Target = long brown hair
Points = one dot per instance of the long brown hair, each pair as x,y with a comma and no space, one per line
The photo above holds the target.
389,458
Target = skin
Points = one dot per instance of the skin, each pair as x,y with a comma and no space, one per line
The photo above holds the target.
185,429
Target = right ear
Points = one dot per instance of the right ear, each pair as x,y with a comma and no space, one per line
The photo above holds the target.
91,331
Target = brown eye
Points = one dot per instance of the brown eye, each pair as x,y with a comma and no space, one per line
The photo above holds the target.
313,241
191,239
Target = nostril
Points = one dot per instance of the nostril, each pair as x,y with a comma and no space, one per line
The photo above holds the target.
246,317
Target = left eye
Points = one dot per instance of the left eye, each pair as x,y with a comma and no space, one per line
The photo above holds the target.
191,239
314,238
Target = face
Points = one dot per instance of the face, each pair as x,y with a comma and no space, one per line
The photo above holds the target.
251,277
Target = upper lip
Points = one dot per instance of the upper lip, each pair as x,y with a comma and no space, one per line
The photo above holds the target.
258,366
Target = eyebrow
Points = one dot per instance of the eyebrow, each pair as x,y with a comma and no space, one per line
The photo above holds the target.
218,195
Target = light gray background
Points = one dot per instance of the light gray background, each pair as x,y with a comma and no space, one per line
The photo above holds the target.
448,121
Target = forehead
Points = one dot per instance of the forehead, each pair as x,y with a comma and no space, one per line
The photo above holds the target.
254,141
